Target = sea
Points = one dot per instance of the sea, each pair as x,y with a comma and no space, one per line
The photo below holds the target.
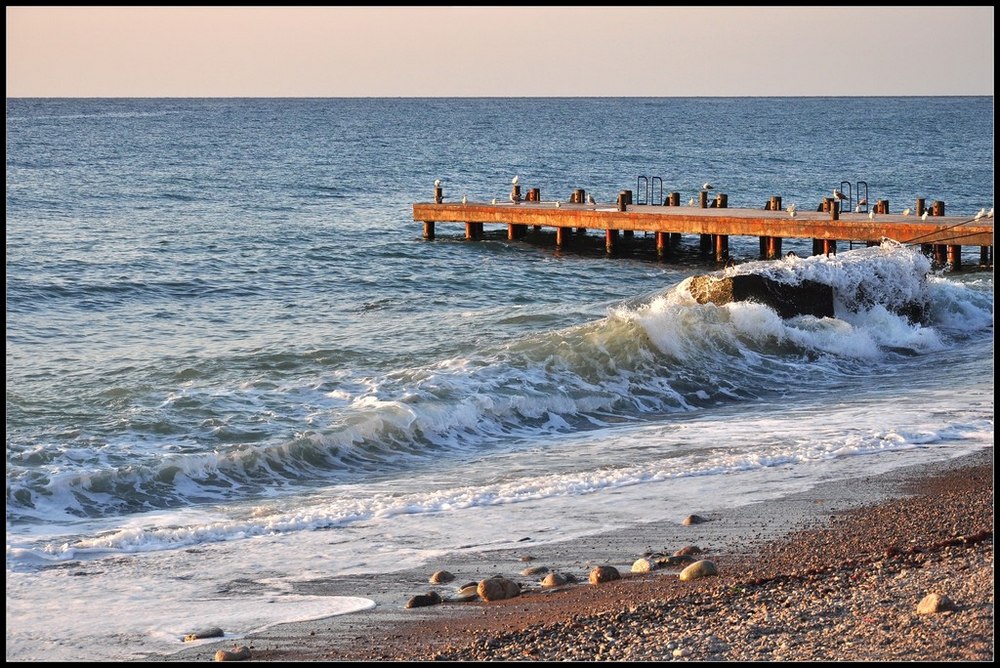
234,364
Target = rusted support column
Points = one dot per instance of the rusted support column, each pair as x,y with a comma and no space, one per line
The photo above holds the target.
834,210
675,199
882,206
817,247
986,256
428,229
438,194
562,236
919,208
722,201
473,230
775,203
705,244
511,231
579,196
662,244
515,194
721,247
535,194
937,208
940,255
703,199
762,241
829,246
773,250
955,256
610,241
623,200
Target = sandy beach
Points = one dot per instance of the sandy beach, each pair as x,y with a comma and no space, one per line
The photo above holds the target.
835,573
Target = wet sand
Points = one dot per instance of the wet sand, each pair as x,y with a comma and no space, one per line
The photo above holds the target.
834,573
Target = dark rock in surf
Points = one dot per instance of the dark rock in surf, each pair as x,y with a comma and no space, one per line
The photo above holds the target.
806,298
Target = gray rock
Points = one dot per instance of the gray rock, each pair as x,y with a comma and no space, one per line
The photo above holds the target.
209,632
698,569
806,298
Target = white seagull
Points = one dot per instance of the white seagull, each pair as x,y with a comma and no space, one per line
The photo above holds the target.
791,209
871,215
494,200
558,204
465,200
982,212
707,186
989,214
514,181
924,217
863,201
906,211
590,199
437,183
691,202
857,209
839,195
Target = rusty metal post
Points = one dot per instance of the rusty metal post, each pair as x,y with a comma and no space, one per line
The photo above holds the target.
675,199
937,208
610,241
955,256
562,236
817,247
919,208
623,200
512,228
662,244
535,195
762,240
703,199
721,247
986,256
722,201
428,229
775,203
940,255
515,194
882,206
473,230
834,209
579,196
829,246
773,250
438,194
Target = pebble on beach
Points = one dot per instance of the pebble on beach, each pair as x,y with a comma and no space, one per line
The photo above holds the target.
497,588
604,574
693,519
698,569
644,565
934,603
240,653
424,600
441,577
210,632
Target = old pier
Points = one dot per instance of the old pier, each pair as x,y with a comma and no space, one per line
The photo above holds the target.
710,218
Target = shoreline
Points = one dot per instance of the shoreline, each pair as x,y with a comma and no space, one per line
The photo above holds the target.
834,573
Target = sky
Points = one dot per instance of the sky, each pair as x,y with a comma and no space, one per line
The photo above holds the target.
502,51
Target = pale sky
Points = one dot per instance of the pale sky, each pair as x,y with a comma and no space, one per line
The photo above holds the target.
436,51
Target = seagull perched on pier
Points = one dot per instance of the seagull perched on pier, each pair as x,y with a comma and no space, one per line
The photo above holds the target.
857,209
494,200
691,202
924,217
558,204
871,215
906,211
982,212
791,209
863,201
590,199
465,199
707,186
989,214
437,183
839,195
514,180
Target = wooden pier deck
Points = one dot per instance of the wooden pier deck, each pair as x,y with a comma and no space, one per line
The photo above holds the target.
941,235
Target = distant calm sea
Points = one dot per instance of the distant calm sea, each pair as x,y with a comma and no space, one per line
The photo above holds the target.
234,365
